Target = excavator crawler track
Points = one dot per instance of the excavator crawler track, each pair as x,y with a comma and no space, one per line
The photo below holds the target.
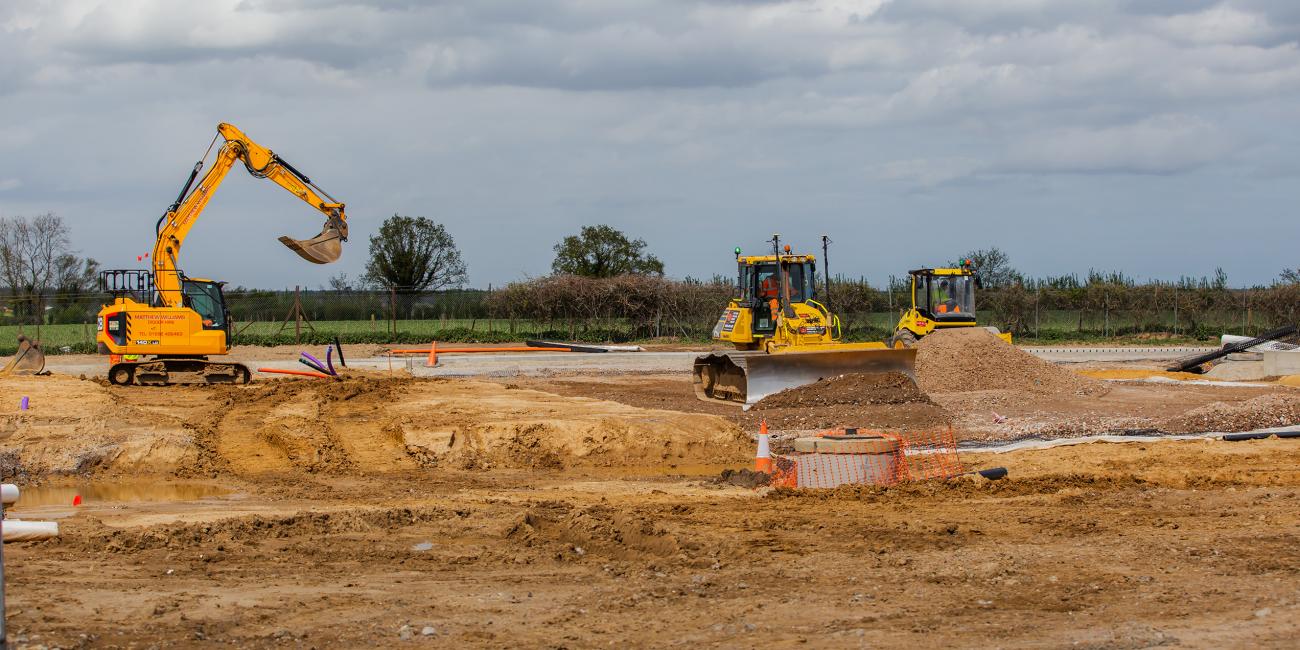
170,372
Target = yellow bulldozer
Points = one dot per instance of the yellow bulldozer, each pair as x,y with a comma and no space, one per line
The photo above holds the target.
162,324
942,298
783,335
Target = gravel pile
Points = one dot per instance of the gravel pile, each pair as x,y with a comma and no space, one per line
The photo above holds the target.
853,389
1258,413
973,359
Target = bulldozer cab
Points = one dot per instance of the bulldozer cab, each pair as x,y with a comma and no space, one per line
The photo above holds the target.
945,295
760,284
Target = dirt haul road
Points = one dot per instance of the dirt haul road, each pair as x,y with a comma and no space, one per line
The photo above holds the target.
370,511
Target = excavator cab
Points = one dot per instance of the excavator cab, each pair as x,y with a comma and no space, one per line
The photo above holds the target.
206,298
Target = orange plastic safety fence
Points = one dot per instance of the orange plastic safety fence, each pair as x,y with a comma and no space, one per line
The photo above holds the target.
930,455
915,456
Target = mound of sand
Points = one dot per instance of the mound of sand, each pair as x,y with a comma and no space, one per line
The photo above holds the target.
973,359
359,425
855,389
1260,412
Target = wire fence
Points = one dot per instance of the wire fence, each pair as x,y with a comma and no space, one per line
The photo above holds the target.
646,307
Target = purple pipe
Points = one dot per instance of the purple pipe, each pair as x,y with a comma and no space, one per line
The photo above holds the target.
317,362
329,359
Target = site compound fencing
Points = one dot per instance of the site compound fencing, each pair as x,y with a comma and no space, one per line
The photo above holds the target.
631,308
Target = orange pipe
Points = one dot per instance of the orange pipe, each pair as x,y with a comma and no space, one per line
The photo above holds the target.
302,373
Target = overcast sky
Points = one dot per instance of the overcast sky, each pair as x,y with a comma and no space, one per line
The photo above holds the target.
1158,137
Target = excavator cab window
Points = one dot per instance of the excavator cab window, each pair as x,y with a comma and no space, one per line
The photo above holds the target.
206,299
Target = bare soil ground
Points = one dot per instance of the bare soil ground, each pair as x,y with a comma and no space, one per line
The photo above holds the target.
978,415
584,511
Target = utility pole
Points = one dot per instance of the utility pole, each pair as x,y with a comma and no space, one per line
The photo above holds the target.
826,268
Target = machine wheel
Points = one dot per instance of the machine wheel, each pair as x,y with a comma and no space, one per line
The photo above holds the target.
121,375
902,339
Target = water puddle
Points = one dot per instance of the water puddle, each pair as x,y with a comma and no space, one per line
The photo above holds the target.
123,492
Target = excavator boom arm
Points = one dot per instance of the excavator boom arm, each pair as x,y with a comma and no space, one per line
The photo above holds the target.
261,163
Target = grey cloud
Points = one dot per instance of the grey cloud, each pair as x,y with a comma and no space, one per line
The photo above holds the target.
714,117
1163,144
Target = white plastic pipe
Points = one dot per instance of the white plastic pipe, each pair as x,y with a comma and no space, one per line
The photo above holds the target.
9,493
29,531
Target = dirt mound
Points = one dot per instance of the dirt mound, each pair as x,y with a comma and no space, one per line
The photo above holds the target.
358,425
744,478
1258,413
855,389
972,359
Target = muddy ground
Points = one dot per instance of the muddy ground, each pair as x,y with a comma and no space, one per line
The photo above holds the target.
584,512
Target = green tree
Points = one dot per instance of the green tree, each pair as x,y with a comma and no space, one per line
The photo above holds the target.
412,255
604,252
993,266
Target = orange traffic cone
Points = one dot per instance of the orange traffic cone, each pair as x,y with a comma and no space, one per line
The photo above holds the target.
763,459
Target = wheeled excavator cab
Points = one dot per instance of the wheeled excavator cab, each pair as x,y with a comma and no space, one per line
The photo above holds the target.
942,298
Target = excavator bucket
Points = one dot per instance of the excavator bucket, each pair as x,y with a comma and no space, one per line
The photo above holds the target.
29,360
321,249
747,377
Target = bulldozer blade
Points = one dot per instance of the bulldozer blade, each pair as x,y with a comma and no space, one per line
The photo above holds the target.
321,249
748,377
29,360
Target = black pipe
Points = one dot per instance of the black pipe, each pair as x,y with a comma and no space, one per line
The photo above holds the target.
313,366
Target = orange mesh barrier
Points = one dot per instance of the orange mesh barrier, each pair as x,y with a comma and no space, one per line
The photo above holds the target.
834,458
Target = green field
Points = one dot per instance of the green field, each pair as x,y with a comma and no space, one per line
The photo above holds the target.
1053,327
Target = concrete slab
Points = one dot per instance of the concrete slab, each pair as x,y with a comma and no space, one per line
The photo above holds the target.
1238,371
1279,362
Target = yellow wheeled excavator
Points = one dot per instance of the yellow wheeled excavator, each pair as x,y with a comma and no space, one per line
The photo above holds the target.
162,324
942,298
783,335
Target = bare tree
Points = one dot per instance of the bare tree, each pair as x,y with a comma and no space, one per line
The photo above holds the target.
36,261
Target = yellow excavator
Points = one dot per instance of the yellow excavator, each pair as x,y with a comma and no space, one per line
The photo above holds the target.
162,324
942,298
783,335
